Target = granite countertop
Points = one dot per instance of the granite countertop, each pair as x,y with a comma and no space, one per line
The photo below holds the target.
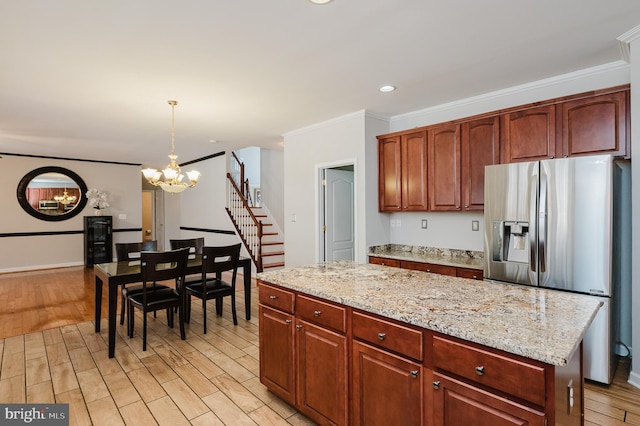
447,257
544,325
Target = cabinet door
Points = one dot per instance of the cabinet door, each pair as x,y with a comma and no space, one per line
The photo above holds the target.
457,403
444,168
529,134
414,172
387,389
322,374
480,148
389,174
276,352
595,125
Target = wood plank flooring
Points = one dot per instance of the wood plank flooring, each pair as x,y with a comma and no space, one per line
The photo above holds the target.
50,353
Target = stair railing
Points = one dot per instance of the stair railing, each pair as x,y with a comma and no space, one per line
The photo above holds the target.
249,228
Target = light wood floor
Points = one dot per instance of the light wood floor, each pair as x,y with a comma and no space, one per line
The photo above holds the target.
50,353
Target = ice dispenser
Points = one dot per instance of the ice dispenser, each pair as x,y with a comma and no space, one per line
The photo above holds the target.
510,241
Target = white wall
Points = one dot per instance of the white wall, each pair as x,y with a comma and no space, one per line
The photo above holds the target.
634,377
444,230
272,183
121,183
204,205
340,141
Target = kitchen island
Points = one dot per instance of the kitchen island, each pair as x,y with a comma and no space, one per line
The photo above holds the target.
350,343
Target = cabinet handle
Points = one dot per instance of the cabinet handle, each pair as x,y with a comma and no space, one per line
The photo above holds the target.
475,277
414,373
428,270
552,157
466,207
316,313
436,384
287,322
298,327
272,297
480,370
382,336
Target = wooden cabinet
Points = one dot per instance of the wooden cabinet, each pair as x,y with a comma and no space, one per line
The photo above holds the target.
275,313
343,366
474,274
529,134
480,147
304,358
441,167
444,168
98,240
384,261
458,403
402,172
595,125
387,377
480,386
453,271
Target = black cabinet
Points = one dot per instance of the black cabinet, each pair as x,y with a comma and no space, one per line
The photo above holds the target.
98,240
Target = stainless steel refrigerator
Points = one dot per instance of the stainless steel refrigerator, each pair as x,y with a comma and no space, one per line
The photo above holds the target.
549,224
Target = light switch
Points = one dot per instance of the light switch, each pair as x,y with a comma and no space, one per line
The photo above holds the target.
393,223
398,223
294,218
122,216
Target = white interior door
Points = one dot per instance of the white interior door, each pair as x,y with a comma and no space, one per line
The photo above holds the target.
339,235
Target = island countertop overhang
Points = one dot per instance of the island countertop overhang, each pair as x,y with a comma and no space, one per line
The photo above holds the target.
544,325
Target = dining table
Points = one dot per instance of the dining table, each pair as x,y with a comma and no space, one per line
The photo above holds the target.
116,274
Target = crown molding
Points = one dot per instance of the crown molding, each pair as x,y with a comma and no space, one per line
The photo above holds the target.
523,88
625,40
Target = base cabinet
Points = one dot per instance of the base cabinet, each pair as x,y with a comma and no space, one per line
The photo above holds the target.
303,354
276,352
342,366
322,374
387,389
458,403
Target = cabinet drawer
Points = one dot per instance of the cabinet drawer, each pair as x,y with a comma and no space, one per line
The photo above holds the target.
275,297
322,313
474,274
430,267
384,261
389,335
512,376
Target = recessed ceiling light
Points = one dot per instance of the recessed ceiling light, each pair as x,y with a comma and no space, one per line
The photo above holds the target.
385,89
320,1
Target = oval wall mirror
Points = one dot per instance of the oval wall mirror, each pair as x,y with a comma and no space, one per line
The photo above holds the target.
52,193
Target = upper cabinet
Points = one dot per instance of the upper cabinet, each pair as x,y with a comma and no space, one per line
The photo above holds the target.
444,168
402,172
441,167
529,134
480,148
595,125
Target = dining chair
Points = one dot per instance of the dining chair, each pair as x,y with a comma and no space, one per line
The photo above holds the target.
215,261
131,252
195,247
159,266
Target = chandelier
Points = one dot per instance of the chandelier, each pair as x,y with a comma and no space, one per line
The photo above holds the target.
173,177
65,198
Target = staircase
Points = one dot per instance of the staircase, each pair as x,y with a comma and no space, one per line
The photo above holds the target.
254,224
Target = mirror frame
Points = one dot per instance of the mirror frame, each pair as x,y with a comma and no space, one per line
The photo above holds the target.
24,203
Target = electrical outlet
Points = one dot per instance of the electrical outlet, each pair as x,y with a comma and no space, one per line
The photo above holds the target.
393,223
398,223
475,225
423,225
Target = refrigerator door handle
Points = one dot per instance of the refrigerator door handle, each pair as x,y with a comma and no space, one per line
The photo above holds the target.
533,225
542,223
